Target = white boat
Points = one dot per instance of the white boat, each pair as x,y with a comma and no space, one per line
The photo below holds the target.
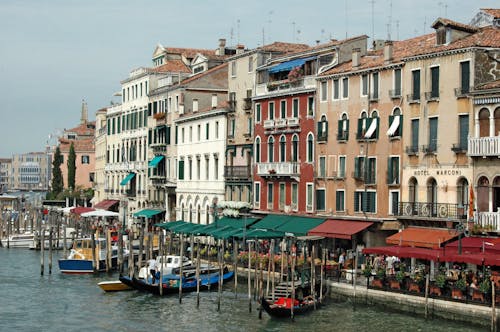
167,264
19,240
57,241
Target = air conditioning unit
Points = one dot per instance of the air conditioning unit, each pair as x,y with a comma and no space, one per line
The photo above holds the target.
287,208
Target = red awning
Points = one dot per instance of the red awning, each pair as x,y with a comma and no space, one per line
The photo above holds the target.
106,204
339,229
422,237
475,245
406,252
80,209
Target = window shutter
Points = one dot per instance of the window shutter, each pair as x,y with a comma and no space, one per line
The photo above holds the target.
356,201
347,130
360,128
400,128
465,79
464,130
320,134
356,167
378,126
167,138
390,176
337,199
435,81
181,169
149,109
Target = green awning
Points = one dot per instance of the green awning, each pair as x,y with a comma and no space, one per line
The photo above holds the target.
298,226
155,161
235,222
216,231
258,233
127,179
148,213
168,225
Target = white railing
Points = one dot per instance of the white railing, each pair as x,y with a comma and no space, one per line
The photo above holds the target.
280,123
293,122
307,82
488,220
283,169
133,165
484,146
268,123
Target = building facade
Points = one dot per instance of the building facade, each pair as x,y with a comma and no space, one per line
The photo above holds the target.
31,171
5,169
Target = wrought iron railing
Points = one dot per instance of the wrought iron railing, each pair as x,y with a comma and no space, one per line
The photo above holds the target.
433,210
237,172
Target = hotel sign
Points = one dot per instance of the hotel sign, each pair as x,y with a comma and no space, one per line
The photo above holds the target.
437,172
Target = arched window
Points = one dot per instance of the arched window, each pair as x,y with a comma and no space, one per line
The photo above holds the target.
207,214
182,212
496,194
310,148
257,149
270,149
323,129
198,215
343,128
413,190
462,192
483,192
484,123
282,149
295,148
190,213
432,196
362,125
496,115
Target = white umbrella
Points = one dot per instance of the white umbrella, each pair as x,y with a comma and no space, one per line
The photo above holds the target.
66,210
100,213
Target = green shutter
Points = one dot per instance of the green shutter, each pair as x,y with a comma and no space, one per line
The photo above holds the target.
167,138
433,128
416,84
337,201
108,124
176,134
400,128
145,119
181,169
149,109
378,126
356,167
339,130
150,138
464,130
360,129
465,79
389,170
356,201
435,82
347,130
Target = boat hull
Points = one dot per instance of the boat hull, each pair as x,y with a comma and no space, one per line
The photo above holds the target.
113,286
284,311
83,266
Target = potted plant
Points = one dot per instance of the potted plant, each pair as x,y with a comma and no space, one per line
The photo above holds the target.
485,286
438,285
395,283
416,283
459,288
378,281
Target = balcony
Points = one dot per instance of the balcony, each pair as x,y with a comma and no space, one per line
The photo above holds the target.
432,96
130,193
293,122
459,148
413,98
280,123
158,179
237,173
278,169
373,97
411,150
489,221
432,210
247,104
231,105
395,93
284,86
462,92
429,149
484,146
268,124
158,147
342,136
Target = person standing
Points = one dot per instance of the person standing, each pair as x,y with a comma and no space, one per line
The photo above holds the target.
152,269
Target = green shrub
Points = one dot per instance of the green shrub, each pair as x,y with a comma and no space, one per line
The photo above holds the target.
461,284
440,280
485,286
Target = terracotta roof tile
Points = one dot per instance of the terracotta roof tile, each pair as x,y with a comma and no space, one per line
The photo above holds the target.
457,25
82,145
489,85
284,47
172,66
87,129
334,42
492,11
189,52
203,74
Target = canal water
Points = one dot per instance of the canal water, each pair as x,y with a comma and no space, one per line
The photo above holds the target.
57,302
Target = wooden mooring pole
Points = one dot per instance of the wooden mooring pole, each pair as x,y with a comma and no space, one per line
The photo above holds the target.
51,233
426,296
42,251
249,277
235,266
493,308
180,270
198,275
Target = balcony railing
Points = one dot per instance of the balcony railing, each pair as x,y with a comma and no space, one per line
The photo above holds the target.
285,85
484,146
459,148
395,93
247,104
278,169
292,122
413,98
237,172
462,92
280,123
488,220
429,149
433,210
432,96
411,150
268,124
373,96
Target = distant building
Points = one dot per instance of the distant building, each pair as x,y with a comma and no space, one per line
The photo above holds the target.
82,138
31,171
5,169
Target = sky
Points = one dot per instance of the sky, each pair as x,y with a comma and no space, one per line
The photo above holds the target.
55,53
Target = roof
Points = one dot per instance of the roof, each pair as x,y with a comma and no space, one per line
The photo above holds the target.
489,85
80,145
205,73
189,52
284,47
106,204
406,252
339,229
492,11
475,245
80,209
83,129
420,45
172,66
449,23
422,237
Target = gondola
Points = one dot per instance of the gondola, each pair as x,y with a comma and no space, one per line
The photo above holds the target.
281,307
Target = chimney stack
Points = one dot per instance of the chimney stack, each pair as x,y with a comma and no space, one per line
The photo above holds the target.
214,101
222,46
388,49
356,57
240,48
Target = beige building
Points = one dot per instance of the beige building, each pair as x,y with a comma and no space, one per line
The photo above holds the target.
100,157
5,169
31,171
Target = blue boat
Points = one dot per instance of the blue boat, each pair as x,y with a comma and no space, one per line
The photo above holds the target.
80,261
171,283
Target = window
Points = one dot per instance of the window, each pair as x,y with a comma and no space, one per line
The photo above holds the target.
323,129
339,201
282,196
362,125
310,148
270,115
257,149
365,201
336,89
270,149
364,85
190,171
309,197
433,130
249,126
371,172
182,135
397,82
374,94
393,202
283,109
216,129
310,106
256,196
320,200
91,177
345,87
250,64
322,166
295,196
395,123
463,131
232,125
190,134
216,168
343,128
414,135
282,149
198,168
295,108
257,113
233,69
341,173
324,88
195,105
464,77
85,160
207,167
207,131
181,169
270,189
435,82
393,170
359,167
198,136
295,148
415,74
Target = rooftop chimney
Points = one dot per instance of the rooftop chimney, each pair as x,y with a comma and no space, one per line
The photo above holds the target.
356,57
222,46
388,48
84,117
240,48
